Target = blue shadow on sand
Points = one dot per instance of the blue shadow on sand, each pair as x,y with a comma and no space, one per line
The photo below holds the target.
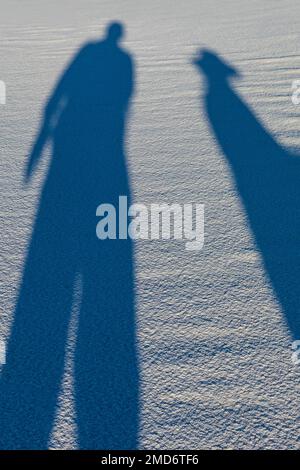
267,178
85,120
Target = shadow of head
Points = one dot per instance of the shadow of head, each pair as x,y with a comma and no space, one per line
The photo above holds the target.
114,32
213,67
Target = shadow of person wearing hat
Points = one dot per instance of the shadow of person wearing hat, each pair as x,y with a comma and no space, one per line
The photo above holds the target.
266,176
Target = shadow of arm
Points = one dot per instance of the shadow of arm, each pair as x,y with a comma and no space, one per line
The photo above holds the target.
52,111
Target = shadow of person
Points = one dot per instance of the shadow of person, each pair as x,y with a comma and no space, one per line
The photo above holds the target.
85,119
267,178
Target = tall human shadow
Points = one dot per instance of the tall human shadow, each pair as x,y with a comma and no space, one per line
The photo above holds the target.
85,119
267,178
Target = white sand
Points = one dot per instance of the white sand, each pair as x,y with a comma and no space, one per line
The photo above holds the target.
215,351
